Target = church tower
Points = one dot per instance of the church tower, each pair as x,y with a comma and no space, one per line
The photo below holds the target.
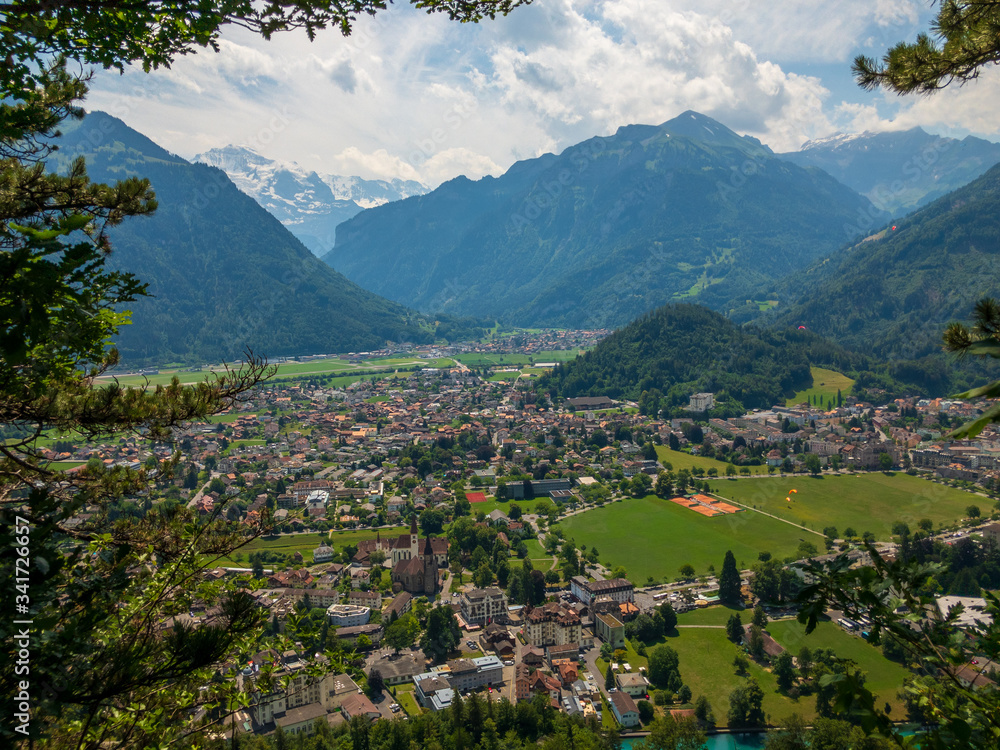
414,548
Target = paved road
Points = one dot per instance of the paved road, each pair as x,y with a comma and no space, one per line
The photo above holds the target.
194,500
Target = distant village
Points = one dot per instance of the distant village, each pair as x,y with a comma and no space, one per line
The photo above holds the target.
400,458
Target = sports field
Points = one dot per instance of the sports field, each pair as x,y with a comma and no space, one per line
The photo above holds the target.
866,502
825,385
655,537
680,460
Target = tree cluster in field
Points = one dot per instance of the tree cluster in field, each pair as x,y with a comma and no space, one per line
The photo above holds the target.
471,722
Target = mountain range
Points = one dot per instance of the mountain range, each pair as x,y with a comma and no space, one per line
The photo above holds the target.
893,294
607,230
308,203
899,171
223,273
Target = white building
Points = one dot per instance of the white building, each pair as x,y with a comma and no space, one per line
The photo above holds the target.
348,615
483,606
701,402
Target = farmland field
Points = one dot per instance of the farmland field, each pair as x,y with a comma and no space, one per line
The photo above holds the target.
867,502
286,370
680,460
825,385
654,537
477,359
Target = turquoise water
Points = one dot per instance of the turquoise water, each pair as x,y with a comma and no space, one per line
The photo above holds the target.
723,742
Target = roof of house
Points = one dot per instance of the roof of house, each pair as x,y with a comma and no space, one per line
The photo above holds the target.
623,703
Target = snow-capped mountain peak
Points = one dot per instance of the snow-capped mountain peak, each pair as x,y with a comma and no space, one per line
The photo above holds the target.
309,204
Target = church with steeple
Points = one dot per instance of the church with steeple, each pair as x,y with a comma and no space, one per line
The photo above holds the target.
417,563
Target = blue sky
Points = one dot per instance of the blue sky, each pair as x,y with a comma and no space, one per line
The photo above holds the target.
418,97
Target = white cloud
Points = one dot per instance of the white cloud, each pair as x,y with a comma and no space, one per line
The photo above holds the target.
418,97
631,62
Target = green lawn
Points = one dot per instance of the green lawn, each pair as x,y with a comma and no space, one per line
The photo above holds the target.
288,369
680,460
867,502
305,543
715,615
885,677
825,385
527,506
242,443
405,698
654,537
706,664
474,359
63,465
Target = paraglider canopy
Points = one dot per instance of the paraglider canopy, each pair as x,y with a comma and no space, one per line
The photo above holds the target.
802,328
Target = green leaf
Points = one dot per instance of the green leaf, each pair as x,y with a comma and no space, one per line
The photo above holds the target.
991,390
973,428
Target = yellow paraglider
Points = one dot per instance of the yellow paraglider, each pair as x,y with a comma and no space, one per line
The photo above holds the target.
788,499
795,491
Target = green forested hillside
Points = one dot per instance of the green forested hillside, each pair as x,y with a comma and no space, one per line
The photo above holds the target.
605,231
224,274
680,349
893,295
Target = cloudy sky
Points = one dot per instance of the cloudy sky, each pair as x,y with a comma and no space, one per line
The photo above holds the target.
419,97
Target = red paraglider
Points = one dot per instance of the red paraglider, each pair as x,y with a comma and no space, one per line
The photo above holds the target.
893,227
802,328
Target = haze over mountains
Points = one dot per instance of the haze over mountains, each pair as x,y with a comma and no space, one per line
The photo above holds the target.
899,171
605,231
224,273
309,204
893,294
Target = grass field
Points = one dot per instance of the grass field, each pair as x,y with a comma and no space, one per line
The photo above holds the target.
527,506
288,369
825,385
680,460
306,543
475,359
537,555
706,663
866,502
63,465
654,537
715,615
884,677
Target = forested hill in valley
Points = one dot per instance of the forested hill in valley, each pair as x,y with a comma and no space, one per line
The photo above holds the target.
893,295
899,171
681,349
224,273
605,231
